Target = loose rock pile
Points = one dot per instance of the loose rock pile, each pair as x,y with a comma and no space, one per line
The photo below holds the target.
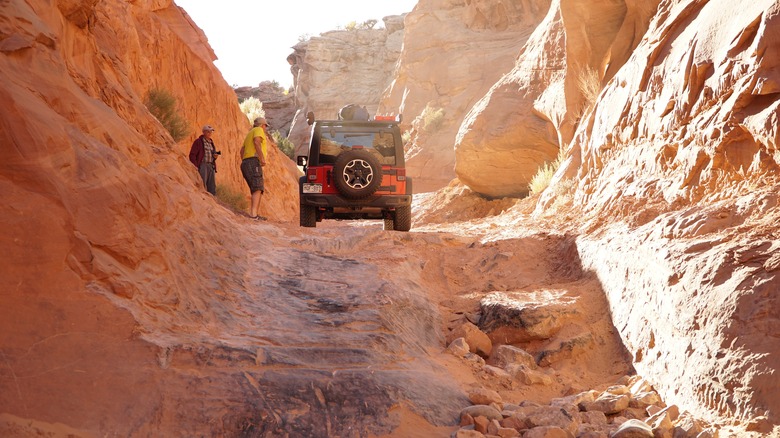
629,409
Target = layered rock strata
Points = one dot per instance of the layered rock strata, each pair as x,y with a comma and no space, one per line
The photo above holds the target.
533,110
342,67
678,166
454,52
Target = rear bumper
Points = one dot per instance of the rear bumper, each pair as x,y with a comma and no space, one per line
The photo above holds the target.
372,202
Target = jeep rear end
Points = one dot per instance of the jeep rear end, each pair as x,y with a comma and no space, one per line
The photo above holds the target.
355,170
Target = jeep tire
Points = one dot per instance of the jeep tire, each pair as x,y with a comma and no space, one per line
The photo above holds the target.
357,174
389,223
403,218
308,216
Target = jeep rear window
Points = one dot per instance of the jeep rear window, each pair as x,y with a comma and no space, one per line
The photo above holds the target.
334,140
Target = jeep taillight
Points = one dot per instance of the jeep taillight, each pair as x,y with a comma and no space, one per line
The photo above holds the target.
400,174
312,174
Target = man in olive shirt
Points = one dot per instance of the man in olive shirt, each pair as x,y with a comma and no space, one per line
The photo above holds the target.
253,154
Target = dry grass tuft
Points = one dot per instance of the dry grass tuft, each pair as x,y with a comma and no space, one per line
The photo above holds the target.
589,84
544,175
236,201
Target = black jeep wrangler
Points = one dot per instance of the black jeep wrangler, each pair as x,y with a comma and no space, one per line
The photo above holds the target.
355,170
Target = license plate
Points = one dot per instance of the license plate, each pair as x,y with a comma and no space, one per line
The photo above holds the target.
312,188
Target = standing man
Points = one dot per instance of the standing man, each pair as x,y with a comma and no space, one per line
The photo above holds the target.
203,154
253,154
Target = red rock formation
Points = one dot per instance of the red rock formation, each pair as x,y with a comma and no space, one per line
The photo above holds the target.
683,147
342,67
99,202
675,171
131,303
453,53
520,123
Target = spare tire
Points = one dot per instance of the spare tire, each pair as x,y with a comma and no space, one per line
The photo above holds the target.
357,174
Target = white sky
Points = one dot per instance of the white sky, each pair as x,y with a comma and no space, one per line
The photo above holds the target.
252,38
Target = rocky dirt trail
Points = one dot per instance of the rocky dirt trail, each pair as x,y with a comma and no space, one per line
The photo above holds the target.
339,331
343,329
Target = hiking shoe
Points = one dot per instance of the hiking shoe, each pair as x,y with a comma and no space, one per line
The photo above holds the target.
258,218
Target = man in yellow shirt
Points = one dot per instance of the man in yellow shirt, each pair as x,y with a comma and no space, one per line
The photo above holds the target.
253,156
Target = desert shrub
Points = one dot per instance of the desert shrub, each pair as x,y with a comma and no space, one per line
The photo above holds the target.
544,175
235,200
354,25
284,143
589,84
432,119
162,105
252,108
271,86
406,137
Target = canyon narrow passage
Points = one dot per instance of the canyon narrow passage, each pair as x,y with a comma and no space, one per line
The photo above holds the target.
344,329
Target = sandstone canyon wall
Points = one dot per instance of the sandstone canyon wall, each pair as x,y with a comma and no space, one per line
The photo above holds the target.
454,52
674,170
342,67
103,215
681,154
533,110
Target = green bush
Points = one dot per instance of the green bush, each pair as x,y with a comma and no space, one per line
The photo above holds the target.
252,108
236,201
432,119
544,175
162,105
406,137
284,143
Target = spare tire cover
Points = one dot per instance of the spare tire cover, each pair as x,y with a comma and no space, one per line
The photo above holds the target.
357,174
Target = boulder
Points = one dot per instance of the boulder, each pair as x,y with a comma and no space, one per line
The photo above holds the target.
633,429
483,396
477,341
566,349
516,317
505,355
482,411
458,347
607,403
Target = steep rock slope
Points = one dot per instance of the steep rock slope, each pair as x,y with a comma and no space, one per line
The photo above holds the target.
107,57
675,173
454,51
99,202
682,154
533,110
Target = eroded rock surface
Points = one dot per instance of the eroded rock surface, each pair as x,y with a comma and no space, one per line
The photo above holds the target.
342,67
454,51
533,110
133,303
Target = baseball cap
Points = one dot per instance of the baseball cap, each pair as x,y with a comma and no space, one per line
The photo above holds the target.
208,128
